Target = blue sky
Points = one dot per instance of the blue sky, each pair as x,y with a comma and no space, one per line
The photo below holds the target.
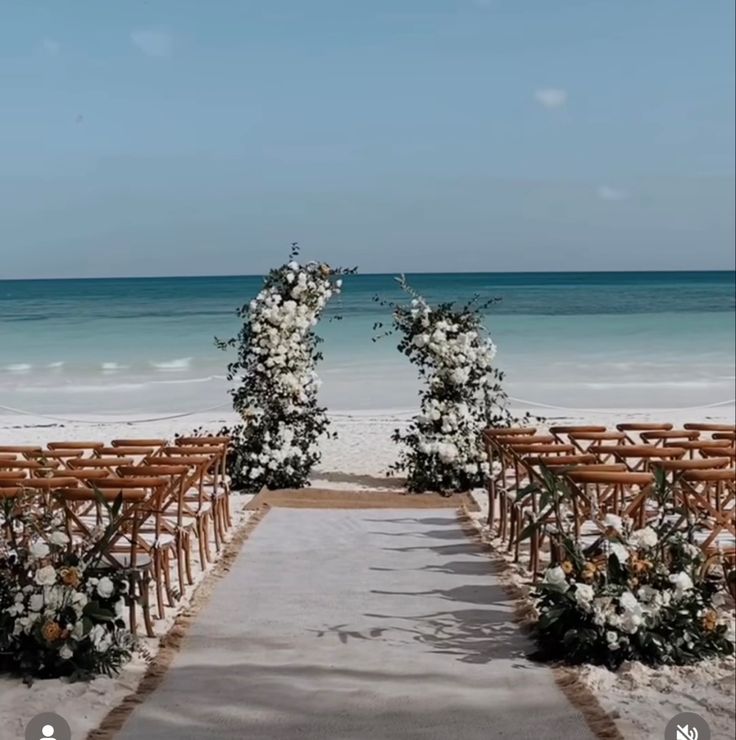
188,137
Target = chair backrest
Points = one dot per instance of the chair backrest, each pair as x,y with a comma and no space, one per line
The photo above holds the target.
577,429
127,451
532,439
50,484
645,426
34,465
100,462
711,427
139,442
662,436
509,431
719,452
543,449
197,441
680,465
75,445
561,460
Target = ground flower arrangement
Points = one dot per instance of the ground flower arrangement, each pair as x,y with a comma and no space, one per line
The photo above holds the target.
443,450
60,615
634,595
276,396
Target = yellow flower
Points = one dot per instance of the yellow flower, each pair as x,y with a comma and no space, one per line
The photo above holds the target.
51,632
70,577
642,566
567,567
710,621
589,572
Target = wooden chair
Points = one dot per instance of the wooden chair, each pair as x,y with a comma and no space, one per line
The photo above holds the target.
175,518
153,537
638,458
633,430
122,552
659,437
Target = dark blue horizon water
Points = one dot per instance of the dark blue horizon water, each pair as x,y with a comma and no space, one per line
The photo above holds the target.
576,338
538,293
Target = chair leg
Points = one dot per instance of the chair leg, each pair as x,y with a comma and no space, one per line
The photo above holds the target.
512,528
216,523
145,585
158,578
201,538
166,565
131,598
491,507
188,557
180,547
206,524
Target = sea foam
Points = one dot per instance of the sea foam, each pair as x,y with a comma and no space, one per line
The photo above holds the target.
180,364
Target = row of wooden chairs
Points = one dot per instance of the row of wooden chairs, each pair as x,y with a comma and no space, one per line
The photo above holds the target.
613,471
168,495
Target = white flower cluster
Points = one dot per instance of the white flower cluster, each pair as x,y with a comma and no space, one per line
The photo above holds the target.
278,398
636,606
46,597
455,360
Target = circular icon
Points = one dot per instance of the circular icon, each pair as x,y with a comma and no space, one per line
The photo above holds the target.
48,726
687,726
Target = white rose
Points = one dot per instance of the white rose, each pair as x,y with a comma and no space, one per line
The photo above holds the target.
682,582
628,601
36,603
39,549
646,537
105,588
45,576
584,595
556,577
58,538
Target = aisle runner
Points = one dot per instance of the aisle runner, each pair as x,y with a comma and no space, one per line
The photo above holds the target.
357,624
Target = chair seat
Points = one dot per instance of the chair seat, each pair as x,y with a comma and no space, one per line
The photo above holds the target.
142,561
723,540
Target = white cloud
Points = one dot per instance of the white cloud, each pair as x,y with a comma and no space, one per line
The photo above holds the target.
152,42
606,192
551,97
50,47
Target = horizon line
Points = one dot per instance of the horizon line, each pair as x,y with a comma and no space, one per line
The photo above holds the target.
375,274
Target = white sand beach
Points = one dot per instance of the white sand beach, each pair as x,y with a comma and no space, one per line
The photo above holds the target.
640,700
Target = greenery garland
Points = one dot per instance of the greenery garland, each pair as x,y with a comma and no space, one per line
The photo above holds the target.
461,395
277,393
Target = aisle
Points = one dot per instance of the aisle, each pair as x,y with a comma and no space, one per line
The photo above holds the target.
356,624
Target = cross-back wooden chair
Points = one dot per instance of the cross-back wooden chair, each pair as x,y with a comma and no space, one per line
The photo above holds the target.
637,458
694,448
634,429
710,496
123,551
624,494
660,437
175,520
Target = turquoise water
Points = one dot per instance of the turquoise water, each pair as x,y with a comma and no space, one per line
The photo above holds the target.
578,339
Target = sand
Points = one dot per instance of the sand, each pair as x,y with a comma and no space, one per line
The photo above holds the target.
356,624
642,700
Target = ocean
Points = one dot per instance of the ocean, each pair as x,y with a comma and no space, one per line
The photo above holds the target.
575,340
